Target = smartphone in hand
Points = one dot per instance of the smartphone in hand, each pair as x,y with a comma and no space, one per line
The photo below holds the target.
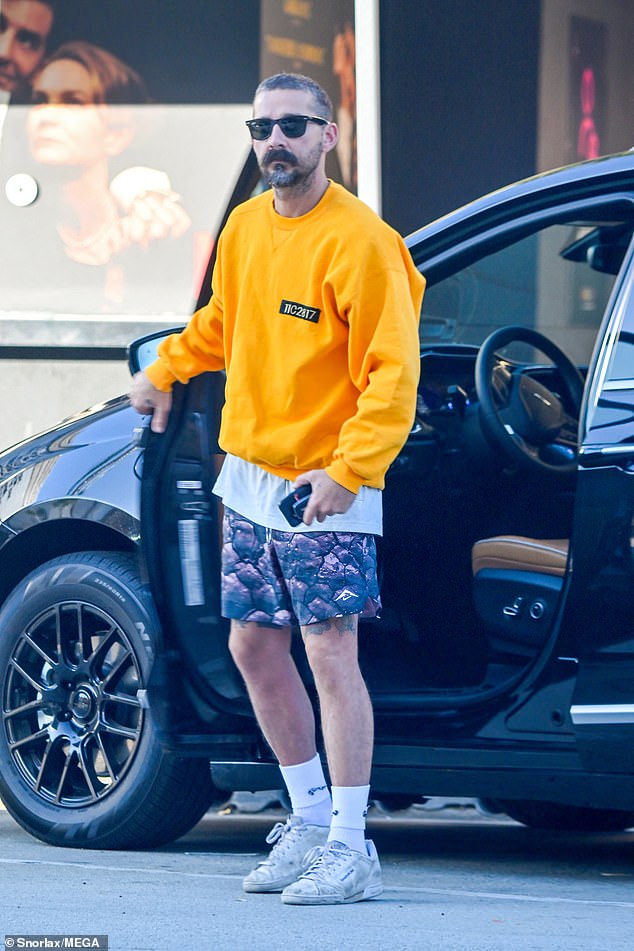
293,505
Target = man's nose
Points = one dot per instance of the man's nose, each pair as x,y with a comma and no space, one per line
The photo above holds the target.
7,43
277,136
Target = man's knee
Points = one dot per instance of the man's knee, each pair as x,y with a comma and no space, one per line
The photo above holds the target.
243,646
254,647
331,649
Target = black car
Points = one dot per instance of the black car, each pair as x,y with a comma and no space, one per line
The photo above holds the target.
502,667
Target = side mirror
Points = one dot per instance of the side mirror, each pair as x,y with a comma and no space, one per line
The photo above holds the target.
143,351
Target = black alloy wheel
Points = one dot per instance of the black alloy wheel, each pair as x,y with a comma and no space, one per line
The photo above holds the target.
80,762
71,710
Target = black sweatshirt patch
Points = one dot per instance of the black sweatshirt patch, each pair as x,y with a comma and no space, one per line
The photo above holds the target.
303,311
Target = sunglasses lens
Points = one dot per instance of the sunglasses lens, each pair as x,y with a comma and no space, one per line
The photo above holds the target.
260,129
293,126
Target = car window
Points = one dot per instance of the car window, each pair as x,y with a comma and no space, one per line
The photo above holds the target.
622,365
611,396
621,361
557,280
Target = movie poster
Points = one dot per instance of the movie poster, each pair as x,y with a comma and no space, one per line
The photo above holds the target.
122,137
316,37
588,78
587,88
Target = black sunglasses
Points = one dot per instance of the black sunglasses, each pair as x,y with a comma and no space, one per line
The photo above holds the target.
293,127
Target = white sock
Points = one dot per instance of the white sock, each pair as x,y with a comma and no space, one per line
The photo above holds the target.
349,809
308,791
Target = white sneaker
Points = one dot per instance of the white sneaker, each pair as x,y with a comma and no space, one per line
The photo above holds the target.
286,861
337,876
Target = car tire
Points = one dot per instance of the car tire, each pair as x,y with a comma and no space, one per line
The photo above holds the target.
80,761
555,816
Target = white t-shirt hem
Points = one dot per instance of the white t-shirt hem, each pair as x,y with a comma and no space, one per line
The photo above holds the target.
256,494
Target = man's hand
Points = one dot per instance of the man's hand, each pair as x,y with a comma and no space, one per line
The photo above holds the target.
145,398
327,497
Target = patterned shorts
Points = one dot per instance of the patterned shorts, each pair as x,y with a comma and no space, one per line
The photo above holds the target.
290,578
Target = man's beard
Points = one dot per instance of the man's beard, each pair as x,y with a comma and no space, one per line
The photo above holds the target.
15,86
282,169
8,80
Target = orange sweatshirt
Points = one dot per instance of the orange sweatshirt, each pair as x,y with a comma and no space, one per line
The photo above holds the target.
316,321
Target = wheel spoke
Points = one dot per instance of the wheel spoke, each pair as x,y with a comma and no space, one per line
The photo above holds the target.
81,634
124,699
70,755
106,758
39,650
24,708
58,631
116,729
102,648
526,447
121,662
45,757
22,673
87,770
32,738
48,766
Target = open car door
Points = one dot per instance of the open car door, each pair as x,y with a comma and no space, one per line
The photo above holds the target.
194,677
602,602
181,536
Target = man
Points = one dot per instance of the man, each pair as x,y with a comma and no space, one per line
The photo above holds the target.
24,29
314,314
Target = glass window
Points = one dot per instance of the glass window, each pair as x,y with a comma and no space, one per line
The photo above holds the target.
556,281
622,366
121,141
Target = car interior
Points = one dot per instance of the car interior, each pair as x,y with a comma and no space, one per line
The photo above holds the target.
479,505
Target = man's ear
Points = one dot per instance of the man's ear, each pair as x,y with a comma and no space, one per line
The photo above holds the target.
331,137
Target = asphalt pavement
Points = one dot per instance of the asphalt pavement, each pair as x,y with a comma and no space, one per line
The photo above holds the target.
455,880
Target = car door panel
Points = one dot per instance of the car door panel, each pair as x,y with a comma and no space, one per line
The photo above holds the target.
599,624
181,521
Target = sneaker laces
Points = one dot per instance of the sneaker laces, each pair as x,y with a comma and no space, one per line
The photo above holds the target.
324,860
282,834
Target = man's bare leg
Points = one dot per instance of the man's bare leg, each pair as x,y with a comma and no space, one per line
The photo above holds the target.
277,694
346,711
285,716
347,868
281,703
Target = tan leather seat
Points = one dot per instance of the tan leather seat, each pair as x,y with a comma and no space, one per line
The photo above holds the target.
546,556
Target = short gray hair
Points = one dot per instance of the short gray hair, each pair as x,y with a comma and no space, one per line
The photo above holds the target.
323,105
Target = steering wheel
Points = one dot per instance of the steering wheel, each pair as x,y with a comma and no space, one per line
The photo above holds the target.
521,417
